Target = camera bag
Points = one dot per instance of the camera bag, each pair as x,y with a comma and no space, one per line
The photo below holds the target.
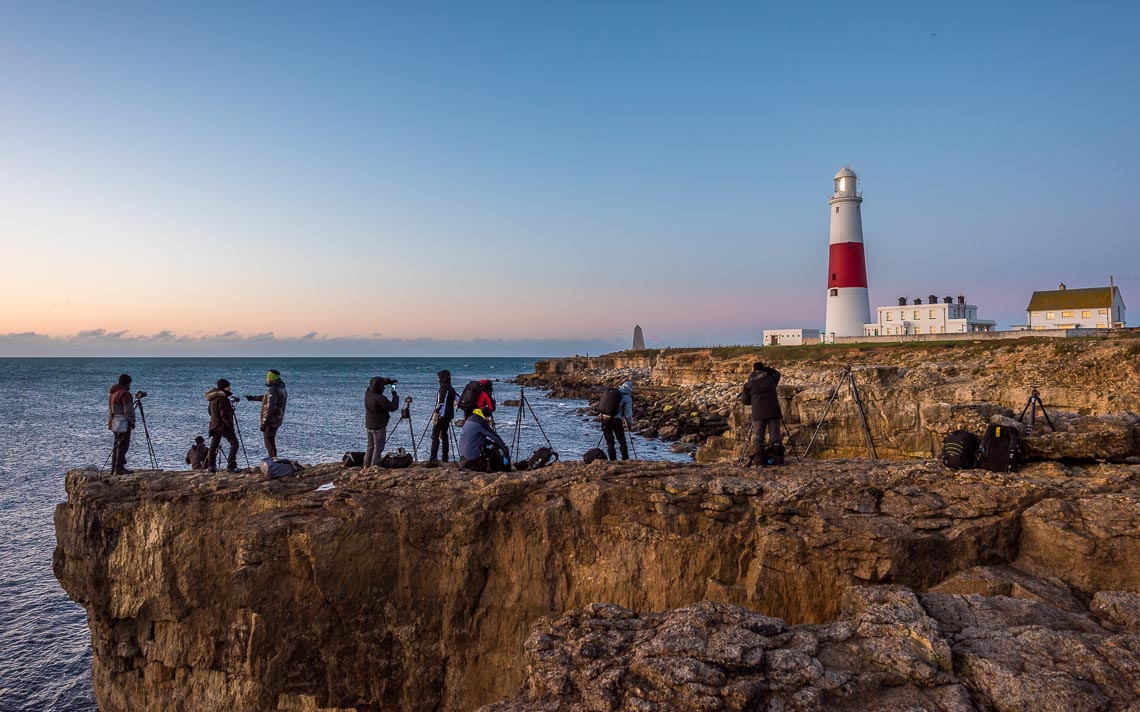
353,459
594,453
1001,449
959,450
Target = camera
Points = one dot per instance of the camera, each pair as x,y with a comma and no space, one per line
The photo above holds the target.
388,381
408,399
140,394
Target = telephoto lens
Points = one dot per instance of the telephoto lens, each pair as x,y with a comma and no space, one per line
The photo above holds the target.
140,394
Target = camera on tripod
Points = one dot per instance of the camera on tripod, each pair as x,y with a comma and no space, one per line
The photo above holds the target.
140,394
406,411
388,381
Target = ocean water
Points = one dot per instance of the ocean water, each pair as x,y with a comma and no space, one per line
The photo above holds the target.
54,419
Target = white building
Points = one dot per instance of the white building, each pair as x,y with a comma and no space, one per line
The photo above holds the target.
1062,308
934,317
790,337
848,306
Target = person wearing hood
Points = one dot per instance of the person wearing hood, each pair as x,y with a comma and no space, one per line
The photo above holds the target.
272,408
486,401
221,426
444,412
197,454
613,426
377,408
761,395
480,448
120,421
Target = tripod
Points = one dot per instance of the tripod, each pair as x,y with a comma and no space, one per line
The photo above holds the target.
848,377
146,430
746,430
237,429
516,440
1031,408
449,435
405,414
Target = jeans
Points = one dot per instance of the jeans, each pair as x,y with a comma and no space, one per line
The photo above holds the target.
119,450
215,441
440,436
375,450
611,426
270,440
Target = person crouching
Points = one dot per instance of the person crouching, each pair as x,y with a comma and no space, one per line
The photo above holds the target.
480,448
197,454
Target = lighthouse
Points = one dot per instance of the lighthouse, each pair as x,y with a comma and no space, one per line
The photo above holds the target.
848,306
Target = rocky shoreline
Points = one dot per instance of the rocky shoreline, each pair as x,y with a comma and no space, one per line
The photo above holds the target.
838,584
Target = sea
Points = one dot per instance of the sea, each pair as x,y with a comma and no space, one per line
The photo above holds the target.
54,419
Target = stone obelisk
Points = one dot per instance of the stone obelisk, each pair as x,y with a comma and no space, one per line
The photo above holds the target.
638,339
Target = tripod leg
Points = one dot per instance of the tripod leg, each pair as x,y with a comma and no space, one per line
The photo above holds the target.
862,417
823,418
1046,414
412,435
790,441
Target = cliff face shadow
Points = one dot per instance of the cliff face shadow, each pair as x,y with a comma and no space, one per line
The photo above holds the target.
417,589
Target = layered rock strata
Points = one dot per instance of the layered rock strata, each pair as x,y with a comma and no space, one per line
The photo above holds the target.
417,589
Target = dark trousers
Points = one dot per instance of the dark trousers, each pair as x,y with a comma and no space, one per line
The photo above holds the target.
440,435
490,461
119,450
270,434
612,426
215,441
769,427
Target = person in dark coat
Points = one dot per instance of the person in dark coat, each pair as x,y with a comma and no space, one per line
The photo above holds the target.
221,426
197,454
481,448
760,393
613,426
120,421
272,408
445,403
377,408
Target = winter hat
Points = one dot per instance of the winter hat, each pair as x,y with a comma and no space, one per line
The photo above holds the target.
223,383
273,375
124,379
199,440
478,412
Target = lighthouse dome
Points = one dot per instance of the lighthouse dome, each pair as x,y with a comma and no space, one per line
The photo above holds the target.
844,172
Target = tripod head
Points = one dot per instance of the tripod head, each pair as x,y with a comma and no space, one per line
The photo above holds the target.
406,411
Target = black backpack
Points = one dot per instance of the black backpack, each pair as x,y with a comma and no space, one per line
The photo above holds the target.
469,398
610,402
1001,449
594,453
539,458
353,459
397,460
959,450
773,454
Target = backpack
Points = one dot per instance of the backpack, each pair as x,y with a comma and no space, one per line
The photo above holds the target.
353,459
469,399
280,467
539,458
1001,449
594,453
610,402
397,460
959,450
773,454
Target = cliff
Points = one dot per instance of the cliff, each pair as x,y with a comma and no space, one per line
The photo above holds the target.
913,393
434,589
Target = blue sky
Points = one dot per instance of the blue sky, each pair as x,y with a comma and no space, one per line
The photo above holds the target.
518,171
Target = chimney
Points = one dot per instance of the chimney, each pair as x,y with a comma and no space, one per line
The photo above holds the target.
902,301
1061,287
918,301
961,298
948,300
933,299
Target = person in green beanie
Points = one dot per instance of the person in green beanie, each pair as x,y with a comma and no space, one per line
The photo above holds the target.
272,408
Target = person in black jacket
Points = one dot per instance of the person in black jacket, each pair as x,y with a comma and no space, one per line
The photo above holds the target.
272,408
444,412
221,426
760,393
377,407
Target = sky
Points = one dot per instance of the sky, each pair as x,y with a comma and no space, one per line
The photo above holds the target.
433,178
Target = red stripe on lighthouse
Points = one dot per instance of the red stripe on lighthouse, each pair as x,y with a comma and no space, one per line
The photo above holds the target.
846,266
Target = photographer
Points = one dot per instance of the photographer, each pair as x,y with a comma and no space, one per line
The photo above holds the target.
444,412
120,421
221,426
272,408
760,393
377,407
480,448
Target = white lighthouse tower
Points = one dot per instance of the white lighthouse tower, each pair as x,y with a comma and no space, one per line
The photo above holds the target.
848,306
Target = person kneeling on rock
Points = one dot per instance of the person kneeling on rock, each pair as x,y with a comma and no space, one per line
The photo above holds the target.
480,448
760,393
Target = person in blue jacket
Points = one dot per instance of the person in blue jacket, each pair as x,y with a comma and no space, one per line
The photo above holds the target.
481,448
613,426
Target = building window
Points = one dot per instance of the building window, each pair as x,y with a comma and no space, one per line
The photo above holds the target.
1050,315
1100,326
835,292
1103,312
888,316
942,329
931,313
933,330
1066,315
1086,314
837,208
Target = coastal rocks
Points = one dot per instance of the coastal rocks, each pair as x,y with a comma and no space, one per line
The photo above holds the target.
418,588
888,650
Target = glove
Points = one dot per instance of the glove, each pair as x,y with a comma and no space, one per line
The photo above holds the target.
251,398
263,427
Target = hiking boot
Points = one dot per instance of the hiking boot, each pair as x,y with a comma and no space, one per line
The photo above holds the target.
233,468
212,470
123,471
433,462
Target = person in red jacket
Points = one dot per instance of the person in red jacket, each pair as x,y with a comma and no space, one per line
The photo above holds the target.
486,401
121,421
